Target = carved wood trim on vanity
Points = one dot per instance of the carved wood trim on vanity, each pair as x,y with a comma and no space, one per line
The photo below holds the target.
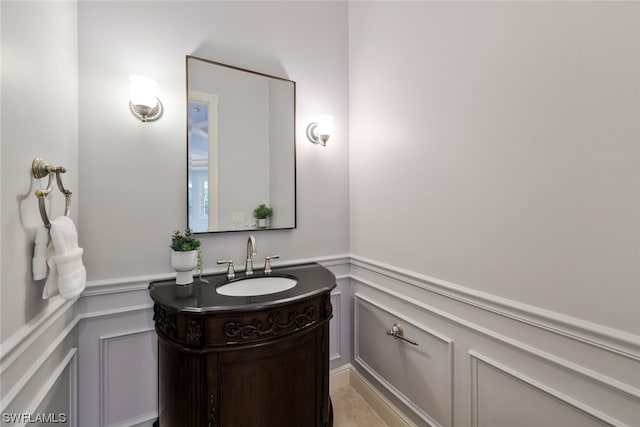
198,330
260,325
194,332
165,322
327,306
274,325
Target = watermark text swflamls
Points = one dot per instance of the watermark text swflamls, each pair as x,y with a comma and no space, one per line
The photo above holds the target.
25,417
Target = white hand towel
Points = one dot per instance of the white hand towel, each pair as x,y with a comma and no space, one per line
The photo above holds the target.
39,261
72,276
51,285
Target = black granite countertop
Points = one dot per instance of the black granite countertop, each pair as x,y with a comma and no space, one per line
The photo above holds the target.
313,279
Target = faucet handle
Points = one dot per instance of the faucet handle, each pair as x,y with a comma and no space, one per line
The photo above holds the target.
231,272
267,263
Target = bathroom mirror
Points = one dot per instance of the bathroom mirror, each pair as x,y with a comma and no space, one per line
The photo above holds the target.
240,148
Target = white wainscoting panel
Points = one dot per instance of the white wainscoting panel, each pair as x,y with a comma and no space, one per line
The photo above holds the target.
58,397
128,377
512,365
341,324
334,327
420,376
502,397
29,355
507,360
118,362
38,369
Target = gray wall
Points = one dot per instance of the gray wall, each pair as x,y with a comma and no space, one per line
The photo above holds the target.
495,146
495,210
39,104
65,63
133,174
39,119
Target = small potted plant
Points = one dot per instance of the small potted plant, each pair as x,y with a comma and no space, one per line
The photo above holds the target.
186,256
262,213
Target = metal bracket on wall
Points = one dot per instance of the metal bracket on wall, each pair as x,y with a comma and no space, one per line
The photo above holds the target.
396,331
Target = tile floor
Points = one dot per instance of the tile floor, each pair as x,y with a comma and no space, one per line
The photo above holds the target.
350,410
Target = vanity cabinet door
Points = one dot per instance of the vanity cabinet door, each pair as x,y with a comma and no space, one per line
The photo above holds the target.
274,384
181,400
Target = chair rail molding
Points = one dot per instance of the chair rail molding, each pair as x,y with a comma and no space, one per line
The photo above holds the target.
610,339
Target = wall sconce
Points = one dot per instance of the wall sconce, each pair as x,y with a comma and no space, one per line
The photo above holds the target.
320,131
142,99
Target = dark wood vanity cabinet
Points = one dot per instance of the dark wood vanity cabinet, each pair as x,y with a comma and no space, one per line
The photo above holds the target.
262,368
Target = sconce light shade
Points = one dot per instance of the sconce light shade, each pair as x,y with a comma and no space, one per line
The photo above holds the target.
319,132
143,102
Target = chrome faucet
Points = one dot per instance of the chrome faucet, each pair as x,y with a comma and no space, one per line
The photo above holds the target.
251,250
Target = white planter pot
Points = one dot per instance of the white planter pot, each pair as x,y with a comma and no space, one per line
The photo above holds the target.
262,223
184,263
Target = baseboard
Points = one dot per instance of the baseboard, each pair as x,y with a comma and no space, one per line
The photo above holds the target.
390,414
339,377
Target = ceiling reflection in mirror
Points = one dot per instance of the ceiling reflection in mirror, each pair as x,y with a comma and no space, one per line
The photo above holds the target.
240,148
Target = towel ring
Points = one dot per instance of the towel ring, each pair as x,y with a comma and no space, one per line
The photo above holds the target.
40,169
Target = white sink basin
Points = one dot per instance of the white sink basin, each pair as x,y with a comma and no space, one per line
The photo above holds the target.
254,286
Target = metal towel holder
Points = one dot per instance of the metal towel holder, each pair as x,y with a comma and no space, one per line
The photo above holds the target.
397,332
40,169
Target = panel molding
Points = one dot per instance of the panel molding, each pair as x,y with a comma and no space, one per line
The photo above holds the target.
20,342
625,390
103,353
60,317
477,358
70,360
74,385
336,297
609,339
390,387
15,390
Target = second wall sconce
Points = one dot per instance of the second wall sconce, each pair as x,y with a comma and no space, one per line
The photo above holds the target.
320,131
143,102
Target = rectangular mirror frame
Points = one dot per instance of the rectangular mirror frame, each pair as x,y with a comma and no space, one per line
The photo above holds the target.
294,166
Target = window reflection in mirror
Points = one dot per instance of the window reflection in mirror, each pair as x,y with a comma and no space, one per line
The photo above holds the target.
241,147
